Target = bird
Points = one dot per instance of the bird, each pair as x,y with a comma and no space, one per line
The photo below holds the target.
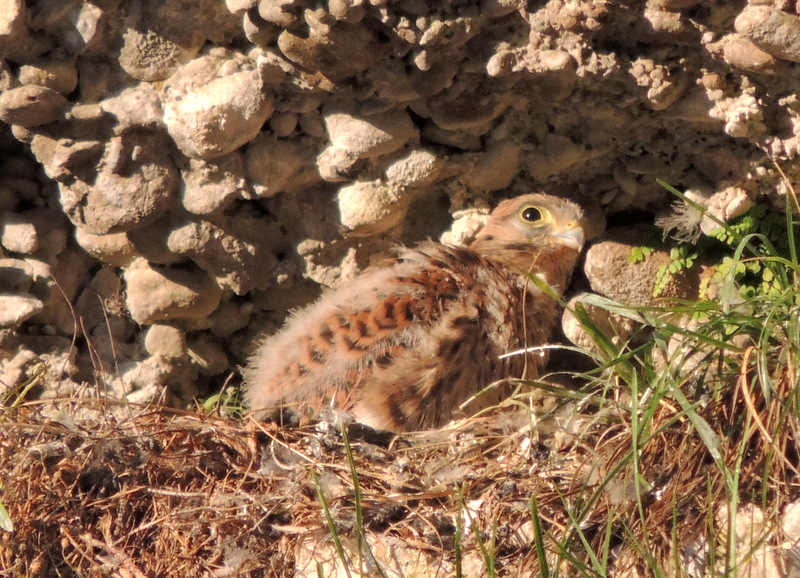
414,342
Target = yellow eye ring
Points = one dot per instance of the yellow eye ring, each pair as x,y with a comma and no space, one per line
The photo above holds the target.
532,214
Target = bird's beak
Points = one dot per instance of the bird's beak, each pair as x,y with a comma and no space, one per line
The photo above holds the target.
572,235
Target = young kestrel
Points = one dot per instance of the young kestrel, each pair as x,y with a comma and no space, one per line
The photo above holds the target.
406,344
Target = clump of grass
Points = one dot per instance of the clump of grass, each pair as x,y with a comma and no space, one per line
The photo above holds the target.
700,421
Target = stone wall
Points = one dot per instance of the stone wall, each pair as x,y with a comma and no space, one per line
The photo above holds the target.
175,175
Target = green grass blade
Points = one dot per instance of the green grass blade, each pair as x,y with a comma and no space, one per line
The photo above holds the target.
337,543
538,534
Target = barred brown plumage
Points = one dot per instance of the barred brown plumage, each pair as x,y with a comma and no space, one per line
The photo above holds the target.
405,344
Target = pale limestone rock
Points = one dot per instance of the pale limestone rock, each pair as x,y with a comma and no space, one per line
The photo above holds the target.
556,155
215,104
163,293
65,159
115,249
15,309
235,251
166,341
611,273
278,165
417,168
150,241
87,23
315,553
239,6
371,207
790,523
17,234
14,370
466,106
134,186
147,55
59,75
15,40
135,107
496,167
345,50
211,186
663,87
724,205
772,30
369,136
282,13
230,317
257,30
155,42
283,123
741,53
754,557
742,115
31,105
12,21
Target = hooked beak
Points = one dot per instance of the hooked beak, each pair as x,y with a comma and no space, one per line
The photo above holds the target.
572,236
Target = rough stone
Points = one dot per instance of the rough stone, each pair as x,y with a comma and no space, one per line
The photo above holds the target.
231,316
87,27
215,104
114,249
791,522
276,165
557,154
345,50
369,136
417,168
496,168
742,53
31,105
465,106
663,88
239,6
15,41
439,102
135,183
166,341
150,241
135,108
772,30
17,234
371,207
282,13
156,294
257,30
211,186
65,159
155,41
15,309
99,310
611,273
235,251
61,76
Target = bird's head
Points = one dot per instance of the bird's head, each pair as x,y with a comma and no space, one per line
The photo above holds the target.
534,230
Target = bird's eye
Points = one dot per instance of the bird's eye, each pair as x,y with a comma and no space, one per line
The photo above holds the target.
531,214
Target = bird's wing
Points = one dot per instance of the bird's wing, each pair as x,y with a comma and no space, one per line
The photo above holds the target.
329,352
